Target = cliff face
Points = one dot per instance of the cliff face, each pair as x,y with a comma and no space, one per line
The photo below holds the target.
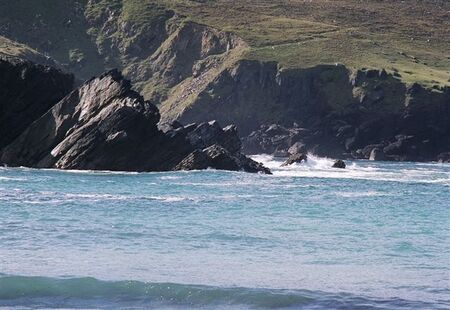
26,92
153,46
252,93
196,67
105,125
189,51
347,111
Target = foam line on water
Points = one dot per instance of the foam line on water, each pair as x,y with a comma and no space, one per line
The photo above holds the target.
320,167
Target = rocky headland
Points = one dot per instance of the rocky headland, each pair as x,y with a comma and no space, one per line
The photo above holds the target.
105,125
297,77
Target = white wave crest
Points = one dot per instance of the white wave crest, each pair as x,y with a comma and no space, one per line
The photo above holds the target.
320,167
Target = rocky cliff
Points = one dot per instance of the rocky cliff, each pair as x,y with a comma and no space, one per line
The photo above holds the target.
347,113
105,125
27,91
207,60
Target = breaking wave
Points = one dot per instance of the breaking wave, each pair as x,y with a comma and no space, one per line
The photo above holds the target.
43,292
321,167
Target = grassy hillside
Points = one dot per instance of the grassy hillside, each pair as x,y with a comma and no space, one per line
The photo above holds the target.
410,37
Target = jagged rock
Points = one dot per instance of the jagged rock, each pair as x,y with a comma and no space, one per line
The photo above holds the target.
219,158
295,158
197,160
273,139
207,133
339,164
297,148
105,125
97,126
27,91
213,156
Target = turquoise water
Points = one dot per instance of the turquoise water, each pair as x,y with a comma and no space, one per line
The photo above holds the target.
373,236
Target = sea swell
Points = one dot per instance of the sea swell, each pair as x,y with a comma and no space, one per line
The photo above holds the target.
43,292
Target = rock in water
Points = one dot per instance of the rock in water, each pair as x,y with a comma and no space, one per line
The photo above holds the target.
339,164
105,125
27,91
295,158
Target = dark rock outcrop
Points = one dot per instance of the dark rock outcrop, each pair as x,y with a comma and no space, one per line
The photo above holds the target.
295,158
273,138
369,109
289,141
339,164
105,125
338,112
27,91
218,157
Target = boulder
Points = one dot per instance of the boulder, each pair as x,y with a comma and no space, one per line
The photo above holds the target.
339,164
295,158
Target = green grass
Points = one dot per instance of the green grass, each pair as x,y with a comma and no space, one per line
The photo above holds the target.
301,34
54,28
410,36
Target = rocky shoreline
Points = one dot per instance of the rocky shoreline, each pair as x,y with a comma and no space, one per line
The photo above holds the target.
106,125
280,141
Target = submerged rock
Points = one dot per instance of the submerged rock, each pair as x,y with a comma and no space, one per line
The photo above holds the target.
339,164
105,125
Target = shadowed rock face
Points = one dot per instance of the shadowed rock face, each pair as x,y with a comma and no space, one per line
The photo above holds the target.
27,91
105,125
368,110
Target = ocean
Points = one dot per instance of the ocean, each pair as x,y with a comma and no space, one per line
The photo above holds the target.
373,236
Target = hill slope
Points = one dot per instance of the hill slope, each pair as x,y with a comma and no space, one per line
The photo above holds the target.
178,52
322,65
88,37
